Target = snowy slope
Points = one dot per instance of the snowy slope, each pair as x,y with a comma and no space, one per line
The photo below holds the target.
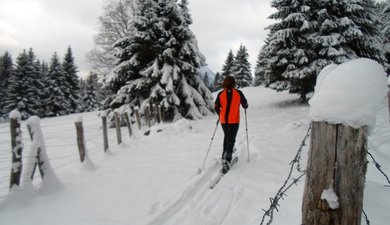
153,180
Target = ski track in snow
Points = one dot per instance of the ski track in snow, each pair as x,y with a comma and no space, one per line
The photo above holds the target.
195,200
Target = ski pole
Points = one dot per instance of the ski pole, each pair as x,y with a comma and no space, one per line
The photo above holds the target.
247,140
208,150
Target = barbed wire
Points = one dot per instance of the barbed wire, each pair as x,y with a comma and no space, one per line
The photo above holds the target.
366,217
285,187
378,166
282,191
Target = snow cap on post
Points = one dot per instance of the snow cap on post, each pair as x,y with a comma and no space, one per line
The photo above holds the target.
79,119
34,121
15,114
350,93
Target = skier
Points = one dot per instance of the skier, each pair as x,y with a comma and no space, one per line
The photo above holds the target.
227,105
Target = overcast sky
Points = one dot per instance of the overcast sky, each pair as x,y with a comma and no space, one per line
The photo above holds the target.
50,26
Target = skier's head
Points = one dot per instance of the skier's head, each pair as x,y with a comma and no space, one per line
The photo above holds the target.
229,82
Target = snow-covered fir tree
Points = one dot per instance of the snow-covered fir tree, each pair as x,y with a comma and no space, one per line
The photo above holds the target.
6,68
384,16
217,82
227,68
71,81
22,94
90,94
206,81
347,29
39,87
157,63
241,70
56,103
289,52
313,34
261,64
43,84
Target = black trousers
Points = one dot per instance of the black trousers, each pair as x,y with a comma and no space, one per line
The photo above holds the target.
230,131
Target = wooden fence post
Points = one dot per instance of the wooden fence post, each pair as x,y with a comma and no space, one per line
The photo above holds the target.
38,161
163,113
147,115
80,139
17,148
159,114
105,136
38,150
128,123
138,118
118,127
337,161
155,111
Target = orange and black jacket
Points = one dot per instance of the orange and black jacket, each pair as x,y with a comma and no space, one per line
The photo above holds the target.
227,105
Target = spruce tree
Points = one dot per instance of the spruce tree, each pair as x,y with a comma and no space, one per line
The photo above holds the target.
56,103
384,16
158,62
313,34
71,81
39,87
82,85
241,70
261,75
6,68
206,81
43,85
217,82
22,93
90,94
289,50
261,63
227,68
347,30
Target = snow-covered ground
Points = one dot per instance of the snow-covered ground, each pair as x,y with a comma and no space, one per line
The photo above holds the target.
154,180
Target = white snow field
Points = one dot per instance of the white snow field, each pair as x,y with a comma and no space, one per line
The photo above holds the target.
154,180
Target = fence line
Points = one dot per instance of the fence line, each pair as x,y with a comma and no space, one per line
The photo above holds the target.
51,142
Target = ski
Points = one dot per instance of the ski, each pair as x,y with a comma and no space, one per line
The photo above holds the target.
219,175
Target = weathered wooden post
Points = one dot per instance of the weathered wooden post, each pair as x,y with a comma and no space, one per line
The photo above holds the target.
163,113
105,136
156,115
137,117
38,156
147,115
159,114
118,128
128,123
38,161
80,138
17,148
343,107
336,164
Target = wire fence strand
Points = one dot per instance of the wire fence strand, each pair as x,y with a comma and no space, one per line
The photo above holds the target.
379,167
288,183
